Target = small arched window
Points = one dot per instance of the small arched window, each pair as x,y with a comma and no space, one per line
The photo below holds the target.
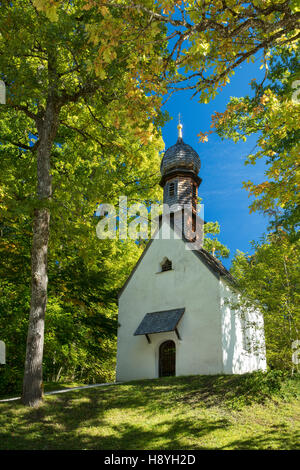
166,265
172,188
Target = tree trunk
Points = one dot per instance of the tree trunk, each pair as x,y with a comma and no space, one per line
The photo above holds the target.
32,383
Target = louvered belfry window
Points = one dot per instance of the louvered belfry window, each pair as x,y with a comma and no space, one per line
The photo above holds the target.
167,265
172,189
167,359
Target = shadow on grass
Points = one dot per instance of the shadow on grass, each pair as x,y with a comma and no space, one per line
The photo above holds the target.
135,416
73,424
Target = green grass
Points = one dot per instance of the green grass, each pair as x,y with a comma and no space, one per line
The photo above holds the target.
254,411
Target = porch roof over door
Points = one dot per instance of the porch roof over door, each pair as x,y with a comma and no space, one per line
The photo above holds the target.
160,322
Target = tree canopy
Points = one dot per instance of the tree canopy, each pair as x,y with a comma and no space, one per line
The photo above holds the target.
207,40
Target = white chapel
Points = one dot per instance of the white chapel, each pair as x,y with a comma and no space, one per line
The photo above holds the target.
176,309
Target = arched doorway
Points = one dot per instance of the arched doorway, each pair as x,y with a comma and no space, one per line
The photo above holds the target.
167,359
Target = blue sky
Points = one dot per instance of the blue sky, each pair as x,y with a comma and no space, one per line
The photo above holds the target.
222,162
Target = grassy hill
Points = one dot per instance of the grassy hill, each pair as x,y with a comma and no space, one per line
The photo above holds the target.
252,411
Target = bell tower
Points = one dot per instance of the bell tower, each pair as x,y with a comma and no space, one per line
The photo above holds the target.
179,174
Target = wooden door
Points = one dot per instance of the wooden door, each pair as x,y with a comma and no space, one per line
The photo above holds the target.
167,359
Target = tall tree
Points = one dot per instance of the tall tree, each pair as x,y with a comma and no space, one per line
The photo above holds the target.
53,87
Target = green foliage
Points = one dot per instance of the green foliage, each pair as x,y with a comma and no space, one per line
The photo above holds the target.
208,41
211,243
81,320
273,115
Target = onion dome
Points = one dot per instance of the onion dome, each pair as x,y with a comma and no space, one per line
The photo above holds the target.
180,156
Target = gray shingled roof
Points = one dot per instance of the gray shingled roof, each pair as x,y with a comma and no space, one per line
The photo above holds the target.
215,264
159,322
180,155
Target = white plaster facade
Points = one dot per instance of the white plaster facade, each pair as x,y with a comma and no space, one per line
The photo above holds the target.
211,333
243,342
